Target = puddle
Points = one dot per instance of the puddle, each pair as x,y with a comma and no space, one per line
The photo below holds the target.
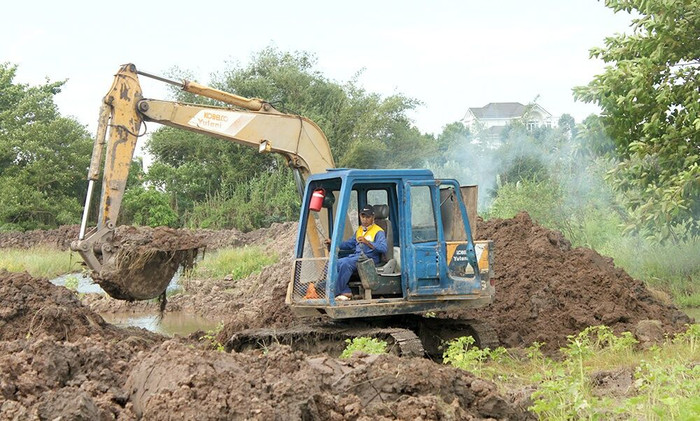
175,323
87,286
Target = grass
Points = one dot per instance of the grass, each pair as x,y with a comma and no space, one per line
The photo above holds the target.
40,262
665,381
674,268
236,263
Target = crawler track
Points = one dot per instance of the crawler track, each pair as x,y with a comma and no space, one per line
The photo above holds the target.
407,336
326,338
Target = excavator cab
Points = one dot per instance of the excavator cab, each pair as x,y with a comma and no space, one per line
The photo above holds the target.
431,263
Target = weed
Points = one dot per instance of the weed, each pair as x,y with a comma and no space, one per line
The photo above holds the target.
462,353
72,282
363,344
666,376
211,335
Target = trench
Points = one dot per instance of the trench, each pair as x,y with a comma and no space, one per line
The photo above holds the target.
172,323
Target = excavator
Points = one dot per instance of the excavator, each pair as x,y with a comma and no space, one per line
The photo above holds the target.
432,264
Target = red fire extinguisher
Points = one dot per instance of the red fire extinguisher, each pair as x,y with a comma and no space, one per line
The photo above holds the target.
317,200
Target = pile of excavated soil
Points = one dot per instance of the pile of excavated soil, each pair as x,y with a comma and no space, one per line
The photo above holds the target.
59,238
175,382
545,290
57,357
31,307
75,366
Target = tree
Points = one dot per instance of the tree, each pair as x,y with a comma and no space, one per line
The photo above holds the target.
43,157
651,108
567,124
363,129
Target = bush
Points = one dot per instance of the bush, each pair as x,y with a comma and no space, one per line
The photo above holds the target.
148,206
267,198
543,200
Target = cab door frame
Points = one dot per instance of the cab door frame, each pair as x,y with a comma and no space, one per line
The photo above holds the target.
424,259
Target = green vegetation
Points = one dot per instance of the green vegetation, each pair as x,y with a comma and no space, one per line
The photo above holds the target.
263,200
673,268
651,110
147,206
40,262
43,157
237,263
664,380
72,283
370,346
211,337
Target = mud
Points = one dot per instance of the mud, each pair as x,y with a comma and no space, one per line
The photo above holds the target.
74,366
58,358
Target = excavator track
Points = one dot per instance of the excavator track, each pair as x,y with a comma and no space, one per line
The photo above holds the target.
406,336
434,332
326,338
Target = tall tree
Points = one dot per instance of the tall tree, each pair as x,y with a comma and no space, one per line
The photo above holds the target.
651,108
43,157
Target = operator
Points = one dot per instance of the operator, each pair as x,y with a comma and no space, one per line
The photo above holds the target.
369,239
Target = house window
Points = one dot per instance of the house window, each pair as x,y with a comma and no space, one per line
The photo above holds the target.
531,125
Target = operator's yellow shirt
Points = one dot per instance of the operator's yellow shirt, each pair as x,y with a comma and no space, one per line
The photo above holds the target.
371,232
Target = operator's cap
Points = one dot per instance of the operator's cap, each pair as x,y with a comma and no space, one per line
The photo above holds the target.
367,210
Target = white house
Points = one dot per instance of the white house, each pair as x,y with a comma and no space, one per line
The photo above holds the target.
496,115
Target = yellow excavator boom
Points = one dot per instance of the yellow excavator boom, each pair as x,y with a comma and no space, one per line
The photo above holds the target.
247,121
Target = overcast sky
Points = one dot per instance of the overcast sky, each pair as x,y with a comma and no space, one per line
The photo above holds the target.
451,55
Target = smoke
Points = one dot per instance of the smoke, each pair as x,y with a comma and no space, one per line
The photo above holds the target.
561,156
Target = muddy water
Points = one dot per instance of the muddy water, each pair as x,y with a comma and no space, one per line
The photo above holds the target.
172,323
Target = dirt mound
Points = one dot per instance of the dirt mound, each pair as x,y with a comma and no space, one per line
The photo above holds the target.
57,238
81,380
146,260
35,307
545,290
174,382
58,359
32,307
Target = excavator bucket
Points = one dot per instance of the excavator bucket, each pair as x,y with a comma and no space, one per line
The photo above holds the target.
138,263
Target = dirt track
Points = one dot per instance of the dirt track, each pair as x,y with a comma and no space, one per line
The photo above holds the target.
59,358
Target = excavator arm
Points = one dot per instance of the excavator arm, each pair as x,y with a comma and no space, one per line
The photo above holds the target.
124,109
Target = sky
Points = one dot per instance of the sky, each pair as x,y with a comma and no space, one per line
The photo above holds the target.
450,55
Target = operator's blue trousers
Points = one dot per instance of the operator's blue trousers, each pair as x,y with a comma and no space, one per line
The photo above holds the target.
346,267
